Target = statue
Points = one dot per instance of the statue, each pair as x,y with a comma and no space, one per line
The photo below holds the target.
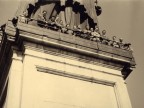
73,17
72,12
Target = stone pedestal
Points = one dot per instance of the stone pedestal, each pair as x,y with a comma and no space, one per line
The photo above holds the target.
55,70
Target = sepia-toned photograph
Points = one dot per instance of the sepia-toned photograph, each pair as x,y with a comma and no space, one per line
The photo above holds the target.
71,54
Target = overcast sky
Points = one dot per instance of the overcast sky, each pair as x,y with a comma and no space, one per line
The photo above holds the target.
123,18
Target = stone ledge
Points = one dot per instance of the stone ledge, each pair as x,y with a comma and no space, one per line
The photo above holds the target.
69,55
75,42
104,53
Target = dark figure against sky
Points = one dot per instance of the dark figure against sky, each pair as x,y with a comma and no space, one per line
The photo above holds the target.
72,12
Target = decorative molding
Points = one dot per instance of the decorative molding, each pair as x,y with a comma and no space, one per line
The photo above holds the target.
70,55
82,60
83,78
104,55
74,76
74,49
84,67
67,39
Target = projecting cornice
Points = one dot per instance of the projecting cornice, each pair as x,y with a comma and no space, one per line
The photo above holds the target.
25,32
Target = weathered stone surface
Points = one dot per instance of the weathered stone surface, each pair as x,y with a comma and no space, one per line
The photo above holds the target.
75,42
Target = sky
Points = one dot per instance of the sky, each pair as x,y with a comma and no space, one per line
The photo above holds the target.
121,18
125,18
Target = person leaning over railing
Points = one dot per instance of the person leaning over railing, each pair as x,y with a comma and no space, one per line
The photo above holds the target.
114,43
69,30
77,31
85,32
96,35
42,21
51,23
104,39
61,26
24,17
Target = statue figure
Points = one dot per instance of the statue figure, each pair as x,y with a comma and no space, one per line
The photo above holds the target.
72,12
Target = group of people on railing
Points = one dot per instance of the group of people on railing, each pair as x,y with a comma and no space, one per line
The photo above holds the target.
88,33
